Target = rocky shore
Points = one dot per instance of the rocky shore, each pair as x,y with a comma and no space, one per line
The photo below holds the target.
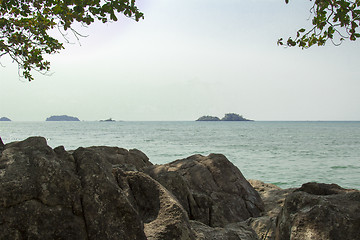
113,193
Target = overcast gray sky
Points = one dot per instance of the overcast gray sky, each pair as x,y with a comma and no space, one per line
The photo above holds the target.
191,58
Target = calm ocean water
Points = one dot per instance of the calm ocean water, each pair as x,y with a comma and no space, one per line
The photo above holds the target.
284,153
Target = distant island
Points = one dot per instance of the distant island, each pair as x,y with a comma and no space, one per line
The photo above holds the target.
208,118
108,120
5,119
234,117
62,118
227,117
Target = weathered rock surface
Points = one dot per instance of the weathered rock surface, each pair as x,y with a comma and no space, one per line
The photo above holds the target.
128,160
49,193
321,212
163,216
106,210
273,198
211,188
40,196
235,231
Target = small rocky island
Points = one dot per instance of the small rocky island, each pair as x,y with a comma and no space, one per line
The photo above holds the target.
227,117
62,118
208,118
5,119
108,120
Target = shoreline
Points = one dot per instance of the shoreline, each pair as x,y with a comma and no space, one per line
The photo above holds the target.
342,168
101,191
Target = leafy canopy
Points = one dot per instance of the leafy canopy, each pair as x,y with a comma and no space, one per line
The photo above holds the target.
334,20
25,26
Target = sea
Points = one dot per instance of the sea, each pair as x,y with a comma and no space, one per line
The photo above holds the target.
287,154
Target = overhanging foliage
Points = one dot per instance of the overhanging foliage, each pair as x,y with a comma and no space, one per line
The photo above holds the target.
334,20
25,26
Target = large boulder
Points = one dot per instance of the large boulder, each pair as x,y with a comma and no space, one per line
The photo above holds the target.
211,188
113,193
89,193
320,211
48,193
163,216
40,196
106,209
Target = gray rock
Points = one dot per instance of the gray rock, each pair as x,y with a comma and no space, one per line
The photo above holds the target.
235,231
273,198
113,193
39,194
51,194
107,212
321,212
128,160
177,185
211,188
163,216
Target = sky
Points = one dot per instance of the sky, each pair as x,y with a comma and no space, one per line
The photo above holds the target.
192,58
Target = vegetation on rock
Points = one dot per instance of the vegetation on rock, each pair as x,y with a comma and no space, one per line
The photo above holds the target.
108,120
62,118
208,118
227,117
234,117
